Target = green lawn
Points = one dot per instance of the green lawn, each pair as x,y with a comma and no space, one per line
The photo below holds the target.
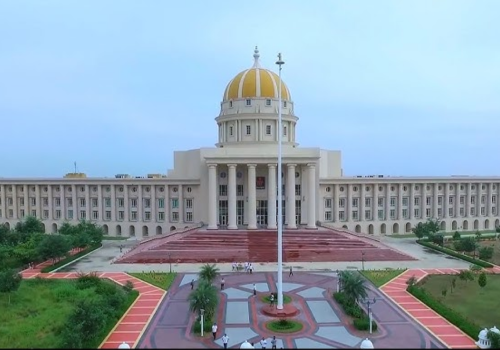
162,280
479,305
286,299
484,243
381,277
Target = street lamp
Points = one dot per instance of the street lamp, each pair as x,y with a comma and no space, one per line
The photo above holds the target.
339,282
279,306
202,312
170,261
363,261
368,303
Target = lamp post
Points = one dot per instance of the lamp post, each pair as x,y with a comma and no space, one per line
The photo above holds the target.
170,261
339,282
368,303
363,261
202,312
279,306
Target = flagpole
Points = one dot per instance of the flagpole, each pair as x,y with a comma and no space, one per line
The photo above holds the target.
279,306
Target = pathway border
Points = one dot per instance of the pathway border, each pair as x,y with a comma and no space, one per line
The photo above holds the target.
441,328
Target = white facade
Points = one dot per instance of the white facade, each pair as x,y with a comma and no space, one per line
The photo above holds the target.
234,184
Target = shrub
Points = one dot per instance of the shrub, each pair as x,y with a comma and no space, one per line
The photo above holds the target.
89,280
129,286
354,310
363,324
455,254
284,325
485,253
456,236
207,325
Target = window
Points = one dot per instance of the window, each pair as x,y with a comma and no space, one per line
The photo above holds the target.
462,212
147,216
249,129
493,199
450,200
133,203
268,129
405,213
58,214
428,212
95,215
94,202
355,215
284,131
355,202
393,201
268,102
493,211
174,203
21,201
45,214
328,203
405,201
297,190
462,199
57,202
161,216
368,214
45,201
417,200
147,203
440,213
473,200
450,211
33,213
108,215
70,214
483,199
483,211
11,213
121,203
380,201
428,200
368,201
83,215
341,202
33,201
328,216
10,201
381,214
175,216
189,204
21,212
161,203
240,190
392,214
284,104
121,215
230,131
416,213
133,216
248,102
222,190
189,216
472,211
342,215
82,202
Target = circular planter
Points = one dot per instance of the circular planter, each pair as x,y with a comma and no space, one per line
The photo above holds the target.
284,326
286,299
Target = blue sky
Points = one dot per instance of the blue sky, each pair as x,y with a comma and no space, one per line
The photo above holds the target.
401,87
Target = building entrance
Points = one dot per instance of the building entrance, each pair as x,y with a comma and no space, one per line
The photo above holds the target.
262,212
240,212
223,213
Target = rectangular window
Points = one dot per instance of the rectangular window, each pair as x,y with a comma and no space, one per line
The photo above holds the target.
22,213
284,104
189,203
473,200
405,213
11,213
483,199
355,215
342,215
328,216
57,202
341,202
45,201
147,203
108,215
21,201
82,202
493,211
189,216
450,200
428,200
107,202
70,214
133,203
440,213
328,203
147,216
121,215
417,213
58,214
230,131
405,201
393,201
368,202
83,215
462,212
381,214
380,201
417,200
428,212
268,102
175,216
222,190
450,211
392,214
95,215
174,203
483,211
248,129
493,199
297,190
161,216
472,211
368,214
121,202
133,216
248,102
33,213
355,202
45,214
268,129
33,201
462,199
440,200
10,201
94,202
161,203
284,131
240,190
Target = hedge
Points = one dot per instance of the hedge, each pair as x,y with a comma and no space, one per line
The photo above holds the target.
361,320
451,315
69,259
455,254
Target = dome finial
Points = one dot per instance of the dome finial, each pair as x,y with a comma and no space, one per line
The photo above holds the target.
256,56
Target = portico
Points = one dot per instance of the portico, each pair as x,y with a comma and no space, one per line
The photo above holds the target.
245,194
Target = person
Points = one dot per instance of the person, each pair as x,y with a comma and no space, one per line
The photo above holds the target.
222,282
250,268
214,330
291,272
271,299
263,343
273,342
192,284
234,266
225,339
121,248
254,289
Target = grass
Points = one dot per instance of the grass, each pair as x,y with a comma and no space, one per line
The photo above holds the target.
483,243
475,303
69,259
286,299
114,238
38,311
381,277
161,280
284,326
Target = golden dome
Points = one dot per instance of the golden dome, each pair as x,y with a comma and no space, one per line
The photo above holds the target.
256,82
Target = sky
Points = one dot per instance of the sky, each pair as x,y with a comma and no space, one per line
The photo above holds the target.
402,88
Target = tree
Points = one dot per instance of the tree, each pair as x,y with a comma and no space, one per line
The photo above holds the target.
456,236
420,230
67,229
468,244
353,286
485,253
482,280
209,272
84,324
466,275
53,247
433,226
30,225
478,236
437,239
93,231
10,280
426,229
204,297
26,252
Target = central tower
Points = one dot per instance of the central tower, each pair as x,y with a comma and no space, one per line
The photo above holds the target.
249,109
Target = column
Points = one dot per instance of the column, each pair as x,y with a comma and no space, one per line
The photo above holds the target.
231,197
14,202
467,201
400,201
182,218
74,207
212,197
335,203
457,200
3,206
38,200
489,211
140,202
361,216
26,201
252,197
113,202
348,203
290,190
62,199
88,211
126,204
479,194
435,202
411,201
423,201
154,217
51,203
446,200
271,197
100,207
311,193
375,203
387,201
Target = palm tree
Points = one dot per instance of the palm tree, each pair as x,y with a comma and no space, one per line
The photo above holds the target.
353,286
204,297
208,272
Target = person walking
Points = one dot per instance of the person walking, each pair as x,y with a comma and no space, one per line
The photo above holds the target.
291,272
192,284
222,282
254,289
271,300
273,342
250,268
214,330
225,339
263,343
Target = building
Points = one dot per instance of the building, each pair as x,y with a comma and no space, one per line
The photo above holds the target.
234,185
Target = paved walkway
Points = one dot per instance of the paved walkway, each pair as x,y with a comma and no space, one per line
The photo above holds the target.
448,333
133,323
238,315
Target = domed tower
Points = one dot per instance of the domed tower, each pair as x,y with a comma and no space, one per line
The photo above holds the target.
249,109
